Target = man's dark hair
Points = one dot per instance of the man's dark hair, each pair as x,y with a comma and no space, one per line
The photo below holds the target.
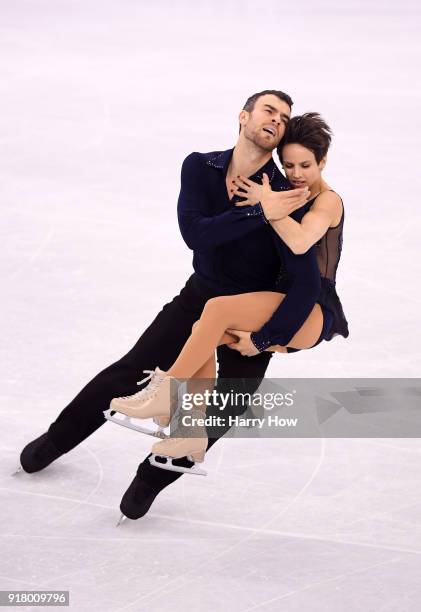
251,101
310,131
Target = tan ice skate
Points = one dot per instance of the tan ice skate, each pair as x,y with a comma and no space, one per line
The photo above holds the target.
193,448
155,401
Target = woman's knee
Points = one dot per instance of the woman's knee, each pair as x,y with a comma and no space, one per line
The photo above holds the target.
216,306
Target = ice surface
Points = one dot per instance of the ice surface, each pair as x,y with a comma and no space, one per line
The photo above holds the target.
100,103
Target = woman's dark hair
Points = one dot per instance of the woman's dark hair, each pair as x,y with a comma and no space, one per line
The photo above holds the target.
310,131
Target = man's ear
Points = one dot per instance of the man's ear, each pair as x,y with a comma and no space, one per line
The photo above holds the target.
322,162
243,117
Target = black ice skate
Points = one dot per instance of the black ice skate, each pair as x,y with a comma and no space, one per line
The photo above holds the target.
38,454
137,499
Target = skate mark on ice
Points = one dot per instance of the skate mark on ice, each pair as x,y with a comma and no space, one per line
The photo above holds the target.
72,500
252,532
129,538
321,583
374,442
58,497
214,473
92,492
35,585
220,458
35,254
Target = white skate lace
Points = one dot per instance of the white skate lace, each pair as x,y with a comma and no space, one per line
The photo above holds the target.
150,390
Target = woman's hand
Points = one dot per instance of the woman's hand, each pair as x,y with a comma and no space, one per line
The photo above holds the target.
276,204
249,189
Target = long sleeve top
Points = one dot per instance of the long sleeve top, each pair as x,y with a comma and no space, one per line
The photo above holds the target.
235,250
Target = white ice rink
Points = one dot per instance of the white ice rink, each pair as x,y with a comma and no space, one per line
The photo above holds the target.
100,101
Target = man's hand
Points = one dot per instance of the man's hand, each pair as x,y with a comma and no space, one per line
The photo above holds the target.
276,204
244,345
253,192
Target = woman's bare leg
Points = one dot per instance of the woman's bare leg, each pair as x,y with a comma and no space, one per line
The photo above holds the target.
246,311
205,377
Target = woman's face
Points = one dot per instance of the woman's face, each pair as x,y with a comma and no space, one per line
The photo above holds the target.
301,166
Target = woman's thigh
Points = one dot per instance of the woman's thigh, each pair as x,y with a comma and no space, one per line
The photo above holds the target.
250,311
245,311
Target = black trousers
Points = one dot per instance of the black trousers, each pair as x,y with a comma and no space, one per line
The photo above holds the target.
159,346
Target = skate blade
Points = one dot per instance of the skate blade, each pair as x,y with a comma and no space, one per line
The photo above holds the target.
121,520
195,470
20,469
126,421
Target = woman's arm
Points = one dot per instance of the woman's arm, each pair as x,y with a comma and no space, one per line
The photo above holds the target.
299,234
314,224
302,294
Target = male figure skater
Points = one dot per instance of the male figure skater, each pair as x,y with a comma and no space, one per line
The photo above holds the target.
233,252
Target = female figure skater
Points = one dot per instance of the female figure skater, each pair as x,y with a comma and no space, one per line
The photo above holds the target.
301,311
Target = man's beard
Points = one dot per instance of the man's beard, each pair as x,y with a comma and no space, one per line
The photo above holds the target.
260,141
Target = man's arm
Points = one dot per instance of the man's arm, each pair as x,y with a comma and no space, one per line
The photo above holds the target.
314,224
201,230
289,317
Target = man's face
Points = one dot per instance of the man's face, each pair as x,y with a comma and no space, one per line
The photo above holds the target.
265,124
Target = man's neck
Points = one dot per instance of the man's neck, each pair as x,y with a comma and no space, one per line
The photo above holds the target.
247,159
